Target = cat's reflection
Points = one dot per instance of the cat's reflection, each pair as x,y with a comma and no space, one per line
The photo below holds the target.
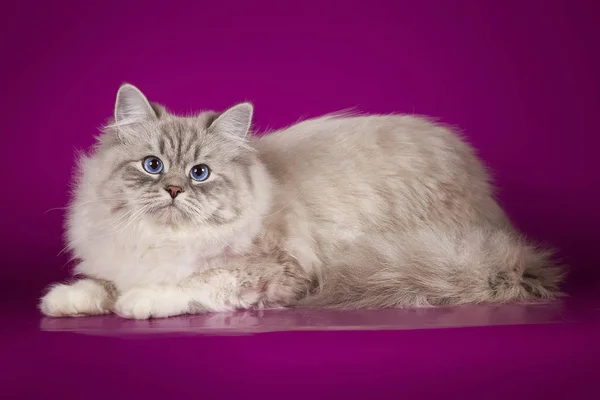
255,321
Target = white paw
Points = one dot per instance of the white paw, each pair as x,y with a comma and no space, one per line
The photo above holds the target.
84,297
154,302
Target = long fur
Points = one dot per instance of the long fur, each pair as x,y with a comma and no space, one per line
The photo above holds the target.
436,269
344,211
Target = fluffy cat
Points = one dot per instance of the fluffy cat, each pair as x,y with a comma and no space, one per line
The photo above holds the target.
175,215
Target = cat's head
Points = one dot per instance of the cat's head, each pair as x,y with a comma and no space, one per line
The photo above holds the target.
198,171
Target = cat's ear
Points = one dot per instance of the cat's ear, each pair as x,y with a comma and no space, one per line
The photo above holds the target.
132,106
235,121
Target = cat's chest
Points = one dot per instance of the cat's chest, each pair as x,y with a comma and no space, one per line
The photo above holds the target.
146,259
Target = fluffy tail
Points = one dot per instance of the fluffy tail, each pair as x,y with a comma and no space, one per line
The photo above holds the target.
482,266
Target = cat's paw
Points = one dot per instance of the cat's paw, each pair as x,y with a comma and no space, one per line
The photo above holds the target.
84,297
152,302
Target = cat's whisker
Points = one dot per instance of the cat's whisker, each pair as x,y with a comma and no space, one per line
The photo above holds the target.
82,204
130,219
275,213
111,230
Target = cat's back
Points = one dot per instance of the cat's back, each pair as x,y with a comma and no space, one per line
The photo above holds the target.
364,173
372,145
341,130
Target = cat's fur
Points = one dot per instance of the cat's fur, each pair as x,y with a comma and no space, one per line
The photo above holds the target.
338,211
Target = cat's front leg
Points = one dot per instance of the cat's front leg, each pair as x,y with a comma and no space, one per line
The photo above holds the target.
215,290
271,281
80,298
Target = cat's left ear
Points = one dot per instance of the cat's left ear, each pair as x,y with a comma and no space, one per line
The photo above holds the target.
235,121
132,106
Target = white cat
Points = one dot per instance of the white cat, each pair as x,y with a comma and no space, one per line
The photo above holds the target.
176,215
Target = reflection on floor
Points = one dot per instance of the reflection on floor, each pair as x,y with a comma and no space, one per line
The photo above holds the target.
245,322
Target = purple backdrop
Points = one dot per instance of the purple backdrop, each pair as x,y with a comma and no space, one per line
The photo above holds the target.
520,78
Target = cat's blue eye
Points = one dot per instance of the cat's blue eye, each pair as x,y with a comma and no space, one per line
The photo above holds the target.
152,165
200,172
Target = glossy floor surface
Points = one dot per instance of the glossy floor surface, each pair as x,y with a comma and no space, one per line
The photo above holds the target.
249,322
547,351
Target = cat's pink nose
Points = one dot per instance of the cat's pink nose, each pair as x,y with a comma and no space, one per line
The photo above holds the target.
174,190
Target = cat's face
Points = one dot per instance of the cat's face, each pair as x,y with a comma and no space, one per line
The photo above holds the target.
195,171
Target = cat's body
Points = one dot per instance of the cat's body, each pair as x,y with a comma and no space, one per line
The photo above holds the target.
357,211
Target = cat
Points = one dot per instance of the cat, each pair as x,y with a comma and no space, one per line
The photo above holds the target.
181,215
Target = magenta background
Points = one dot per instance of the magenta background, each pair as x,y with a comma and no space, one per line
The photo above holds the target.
520,78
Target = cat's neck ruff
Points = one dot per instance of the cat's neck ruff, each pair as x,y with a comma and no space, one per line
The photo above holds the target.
147,251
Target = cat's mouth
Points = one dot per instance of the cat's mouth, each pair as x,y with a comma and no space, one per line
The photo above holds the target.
168,213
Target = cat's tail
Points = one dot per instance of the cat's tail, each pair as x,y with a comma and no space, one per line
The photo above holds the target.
481,266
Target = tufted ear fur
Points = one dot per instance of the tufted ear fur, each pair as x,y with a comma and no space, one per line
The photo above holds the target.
132,106
235,121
